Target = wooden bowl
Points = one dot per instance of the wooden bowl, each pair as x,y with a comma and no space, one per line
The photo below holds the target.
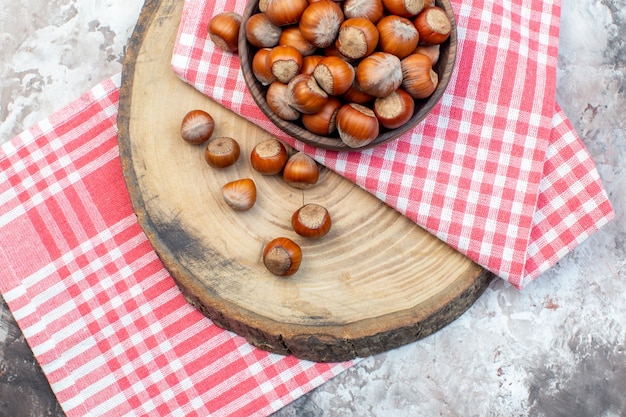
296,129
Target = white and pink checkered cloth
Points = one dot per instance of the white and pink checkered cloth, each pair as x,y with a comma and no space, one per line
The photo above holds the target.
496,171
109,327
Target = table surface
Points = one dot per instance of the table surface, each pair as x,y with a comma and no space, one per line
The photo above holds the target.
557,348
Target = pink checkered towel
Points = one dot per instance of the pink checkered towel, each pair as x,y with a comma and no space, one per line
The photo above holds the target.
496,170
498,174
109,327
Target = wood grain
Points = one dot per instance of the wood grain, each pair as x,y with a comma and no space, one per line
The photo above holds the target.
375,282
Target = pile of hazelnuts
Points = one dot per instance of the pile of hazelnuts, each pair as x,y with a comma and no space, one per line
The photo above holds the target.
351,67
282,256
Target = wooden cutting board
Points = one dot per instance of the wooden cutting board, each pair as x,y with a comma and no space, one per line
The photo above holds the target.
375,282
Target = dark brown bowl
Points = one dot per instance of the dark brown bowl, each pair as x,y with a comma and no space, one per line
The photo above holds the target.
444,66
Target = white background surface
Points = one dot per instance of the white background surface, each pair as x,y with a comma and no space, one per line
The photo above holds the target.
554,349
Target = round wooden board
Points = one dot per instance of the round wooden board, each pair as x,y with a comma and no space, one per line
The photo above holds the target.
375,282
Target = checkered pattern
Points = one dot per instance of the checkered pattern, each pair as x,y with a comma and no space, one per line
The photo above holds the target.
112,332
496,171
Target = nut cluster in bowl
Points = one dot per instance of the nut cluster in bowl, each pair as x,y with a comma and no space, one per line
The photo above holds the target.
347,74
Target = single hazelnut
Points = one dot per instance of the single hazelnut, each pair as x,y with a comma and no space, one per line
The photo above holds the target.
224,30
433,25
418,77
324,121
379,74
305,95
404,8
262,33
197,127
398,35
311,221
240,195
282,256
357,38
357,125
222,152
268,157
370,9
285,62
278,100
334,75
394,110
301,171
285,12
320,23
